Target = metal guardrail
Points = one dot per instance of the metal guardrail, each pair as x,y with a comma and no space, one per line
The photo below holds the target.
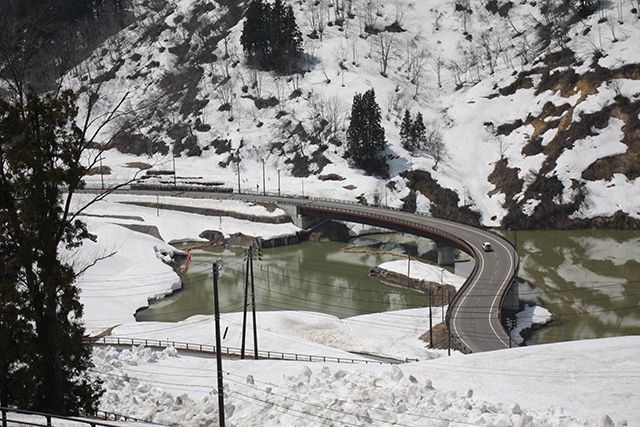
9,418
228,351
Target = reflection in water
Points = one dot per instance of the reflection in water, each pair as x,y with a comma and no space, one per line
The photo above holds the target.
309,276
589,279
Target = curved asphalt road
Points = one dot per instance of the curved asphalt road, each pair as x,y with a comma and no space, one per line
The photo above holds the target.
474,314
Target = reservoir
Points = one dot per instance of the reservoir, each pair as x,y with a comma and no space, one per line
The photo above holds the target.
309,276
588,279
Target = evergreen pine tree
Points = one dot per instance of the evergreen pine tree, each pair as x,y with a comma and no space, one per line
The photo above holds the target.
418,133
270,36
41,153
405,131
365,136
293,40
255,36
277,36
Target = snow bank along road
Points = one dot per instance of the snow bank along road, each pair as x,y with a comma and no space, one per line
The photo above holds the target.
474,314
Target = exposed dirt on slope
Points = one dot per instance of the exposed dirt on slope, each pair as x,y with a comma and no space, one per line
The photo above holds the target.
570,127
444,201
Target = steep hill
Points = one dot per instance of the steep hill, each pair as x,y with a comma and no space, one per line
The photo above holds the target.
538,104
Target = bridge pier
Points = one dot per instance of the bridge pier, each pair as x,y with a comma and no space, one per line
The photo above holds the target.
446,255
299,220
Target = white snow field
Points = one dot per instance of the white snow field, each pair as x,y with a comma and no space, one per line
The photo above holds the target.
588,383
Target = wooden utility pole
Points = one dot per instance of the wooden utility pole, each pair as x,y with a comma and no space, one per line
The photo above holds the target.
101,174
264,183
175,181
448,331
238,171
253,309
430,290
216,308
249,254
246,295
442,302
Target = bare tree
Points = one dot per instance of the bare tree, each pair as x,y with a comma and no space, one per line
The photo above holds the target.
464,7
395,103
312,16
399,6
255,81
455,69
336,111
417,66
486,43
612,27
354,51
370,13
437,62
320,18
294,83
280,95
384,44
435,147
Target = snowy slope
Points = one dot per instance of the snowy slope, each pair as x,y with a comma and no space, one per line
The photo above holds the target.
481,68
599,386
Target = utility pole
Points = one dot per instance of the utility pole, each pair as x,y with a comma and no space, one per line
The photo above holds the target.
430,290
175,182
216,307
302,180
448,331
442,302
238,171
253,308
246,294
442,293
249,254
157,205
408,269
264,185
278,182
101,174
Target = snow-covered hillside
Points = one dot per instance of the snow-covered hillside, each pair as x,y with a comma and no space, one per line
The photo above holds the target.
538,108
537,386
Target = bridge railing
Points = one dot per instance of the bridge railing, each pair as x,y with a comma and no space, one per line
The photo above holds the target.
228,351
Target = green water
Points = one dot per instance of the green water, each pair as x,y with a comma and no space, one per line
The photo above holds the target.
310,276
588,279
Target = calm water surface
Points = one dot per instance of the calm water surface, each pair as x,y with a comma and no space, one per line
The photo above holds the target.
588,279
310,276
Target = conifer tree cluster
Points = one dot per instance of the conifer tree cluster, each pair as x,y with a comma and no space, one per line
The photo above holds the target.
413,133
270,37
365,137
415,136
